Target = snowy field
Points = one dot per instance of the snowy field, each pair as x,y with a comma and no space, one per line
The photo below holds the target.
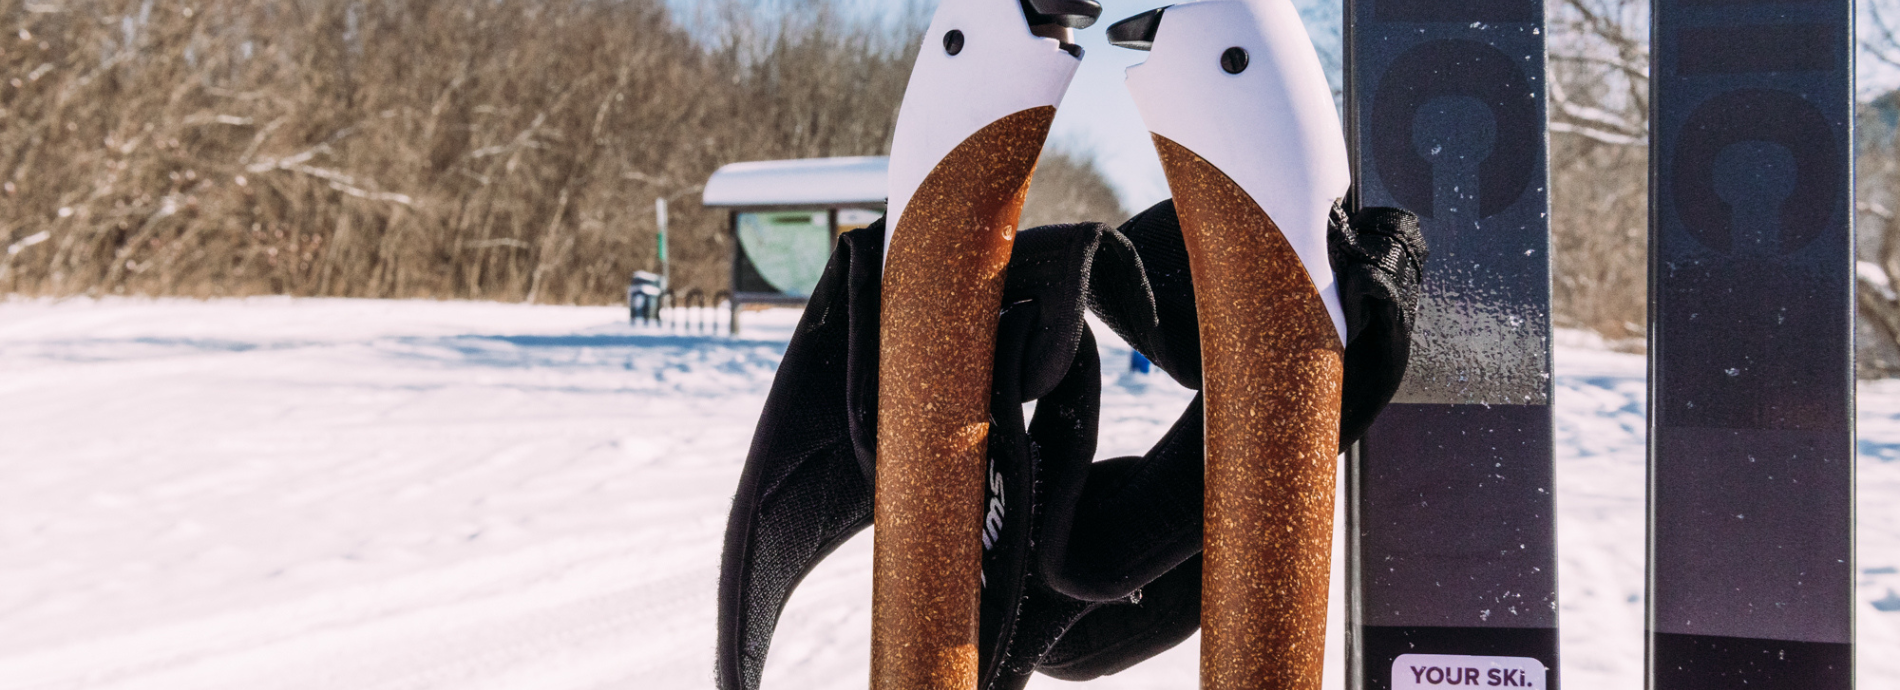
370,495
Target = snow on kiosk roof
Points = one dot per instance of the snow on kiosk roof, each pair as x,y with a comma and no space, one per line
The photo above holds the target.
821,182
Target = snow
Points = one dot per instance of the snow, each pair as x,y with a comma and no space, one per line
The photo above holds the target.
405,494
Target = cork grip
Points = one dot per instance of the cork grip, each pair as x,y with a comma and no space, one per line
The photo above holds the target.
1272,363
943,285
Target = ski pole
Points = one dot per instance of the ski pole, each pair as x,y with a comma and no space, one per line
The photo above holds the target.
972,124
1243,120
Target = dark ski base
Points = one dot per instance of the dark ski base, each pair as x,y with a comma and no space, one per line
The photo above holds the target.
1452,537
1455,517
1383,645
1751,413
1709,662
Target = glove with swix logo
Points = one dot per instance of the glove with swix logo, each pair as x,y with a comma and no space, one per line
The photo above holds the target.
1088,567
1117,573
807,483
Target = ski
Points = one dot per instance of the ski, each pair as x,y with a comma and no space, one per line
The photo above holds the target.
1751,398
1451,554
975,113
1237,103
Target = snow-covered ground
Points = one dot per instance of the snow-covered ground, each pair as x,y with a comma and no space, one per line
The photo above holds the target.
277,493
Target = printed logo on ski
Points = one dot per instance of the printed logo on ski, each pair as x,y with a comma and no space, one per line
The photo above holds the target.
1437,671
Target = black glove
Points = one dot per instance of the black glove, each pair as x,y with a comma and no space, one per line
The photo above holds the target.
1119,556
1088,567
806,487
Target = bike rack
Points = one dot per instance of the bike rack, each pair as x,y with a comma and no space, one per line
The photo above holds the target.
693,311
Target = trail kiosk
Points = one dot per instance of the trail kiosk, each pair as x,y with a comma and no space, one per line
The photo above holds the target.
786,214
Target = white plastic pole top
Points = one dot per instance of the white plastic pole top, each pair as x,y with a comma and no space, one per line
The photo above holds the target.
1272,127
999,70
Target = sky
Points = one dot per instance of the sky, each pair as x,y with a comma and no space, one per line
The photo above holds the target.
1098,118
1873,77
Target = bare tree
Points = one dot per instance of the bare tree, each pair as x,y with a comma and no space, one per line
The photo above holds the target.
1068,188
500,150
1599,124
1877,188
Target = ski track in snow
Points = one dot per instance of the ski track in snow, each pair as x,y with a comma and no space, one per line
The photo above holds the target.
277,493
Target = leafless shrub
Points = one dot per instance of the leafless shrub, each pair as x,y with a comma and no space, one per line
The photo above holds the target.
398,148
1068,188
501,150
1877,191
1877,173
1599,158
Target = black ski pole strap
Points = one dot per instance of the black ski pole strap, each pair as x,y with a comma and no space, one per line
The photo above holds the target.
1147,298
1378,256
1024,468
1039,478
806,486
1134,523
1120,559
1113,636
1088,568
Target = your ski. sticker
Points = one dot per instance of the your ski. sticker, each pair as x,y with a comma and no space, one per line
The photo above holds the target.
1437,671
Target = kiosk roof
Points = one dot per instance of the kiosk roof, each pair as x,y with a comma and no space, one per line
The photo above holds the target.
803,182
